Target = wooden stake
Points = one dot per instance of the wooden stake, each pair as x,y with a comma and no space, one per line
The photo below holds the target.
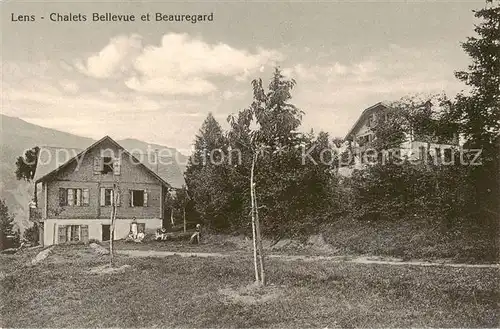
259,239
254,235
112,226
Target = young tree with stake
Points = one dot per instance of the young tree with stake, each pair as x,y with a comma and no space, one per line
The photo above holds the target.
276,121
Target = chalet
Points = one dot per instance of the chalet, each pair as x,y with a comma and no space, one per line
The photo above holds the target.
361,135
74,192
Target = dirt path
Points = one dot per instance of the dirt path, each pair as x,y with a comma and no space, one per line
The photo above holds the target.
334,259
156,253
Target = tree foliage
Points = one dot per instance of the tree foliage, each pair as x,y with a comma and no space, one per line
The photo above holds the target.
292,190
31,234
6,225
26,165
206,175
478,110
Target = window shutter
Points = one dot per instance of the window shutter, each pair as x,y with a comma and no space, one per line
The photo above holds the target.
79,197
62,233
131,198
103,197
97,165
71,197
84,233
85,197
145,198
118,199
117,166
62,197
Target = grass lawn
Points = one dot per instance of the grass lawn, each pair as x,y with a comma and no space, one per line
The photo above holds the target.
206,292
416,239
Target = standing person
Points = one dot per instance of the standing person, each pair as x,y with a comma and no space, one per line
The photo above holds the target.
133,228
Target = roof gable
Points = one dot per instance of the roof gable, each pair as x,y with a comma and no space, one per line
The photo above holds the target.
364,115
52,160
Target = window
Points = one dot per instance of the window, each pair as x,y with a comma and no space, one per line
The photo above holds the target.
362,140
448,155
438,153
106,197
73,197
107,165
371,120
108,194
73,233
394,154
421,152
138,198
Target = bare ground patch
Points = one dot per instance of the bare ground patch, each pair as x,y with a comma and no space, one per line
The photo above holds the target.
251,294
108,269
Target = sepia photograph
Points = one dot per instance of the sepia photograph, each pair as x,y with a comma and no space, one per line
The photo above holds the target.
250,164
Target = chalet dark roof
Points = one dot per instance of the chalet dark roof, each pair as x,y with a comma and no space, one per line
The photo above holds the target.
51,159
363,115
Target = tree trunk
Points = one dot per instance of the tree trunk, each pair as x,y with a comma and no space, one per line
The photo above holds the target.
259,239
254,235
111,233
172,216
184,217
112,225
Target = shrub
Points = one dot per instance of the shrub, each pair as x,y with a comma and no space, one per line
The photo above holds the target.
31,234
407,190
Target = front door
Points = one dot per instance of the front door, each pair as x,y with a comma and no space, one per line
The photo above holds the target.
106,232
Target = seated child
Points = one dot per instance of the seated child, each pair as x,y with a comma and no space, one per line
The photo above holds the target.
140,237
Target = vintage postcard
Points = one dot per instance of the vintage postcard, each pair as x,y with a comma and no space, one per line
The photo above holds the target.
250,164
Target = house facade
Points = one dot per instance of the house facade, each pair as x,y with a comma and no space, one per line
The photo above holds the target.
359,138
75,199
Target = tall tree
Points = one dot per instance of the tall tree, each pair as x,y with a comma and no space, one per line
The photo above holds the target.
206,175
6,224
478,110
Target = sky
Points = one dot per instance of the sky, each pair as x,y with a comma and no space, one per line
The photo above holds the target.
156,81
